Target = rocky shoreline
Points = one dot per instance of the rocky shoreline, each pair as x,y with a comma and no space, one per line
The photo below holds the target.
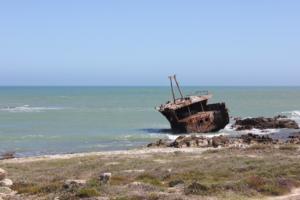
279,121
238,141
168,169
224,141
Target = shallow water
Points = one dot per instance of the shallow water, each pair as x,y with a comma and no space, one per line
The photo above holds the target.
49,120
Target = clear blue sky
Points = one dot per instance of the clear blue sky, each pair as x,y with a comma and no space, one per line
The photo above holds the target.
210,42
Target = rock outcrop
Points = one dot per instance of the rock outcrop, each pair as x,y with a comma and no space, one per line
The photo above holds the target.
224,141
193,141
251,138
265,123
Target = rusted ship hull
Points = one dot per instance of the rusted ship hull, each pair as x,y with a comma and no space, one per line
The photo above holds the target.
212,118
192,113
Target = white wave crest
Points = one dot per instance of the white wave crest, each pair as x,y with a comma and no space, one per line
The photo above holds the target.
294,115
27,108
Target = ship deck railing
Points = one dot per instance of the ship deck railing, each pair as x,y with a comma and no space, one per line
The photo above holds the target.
199,93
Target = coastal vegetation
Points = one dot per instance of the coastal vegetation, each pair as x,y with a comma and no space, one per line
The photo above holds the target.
258,171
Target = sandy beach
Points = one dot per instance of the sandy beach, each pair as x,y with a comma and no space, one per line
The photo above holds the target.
128,153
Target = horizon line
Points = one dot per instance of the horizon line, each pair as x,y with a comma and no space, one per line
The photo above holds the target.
149,86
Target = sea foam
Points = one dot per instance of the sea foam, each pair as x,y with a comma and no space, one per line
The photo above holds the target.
294,115
27,108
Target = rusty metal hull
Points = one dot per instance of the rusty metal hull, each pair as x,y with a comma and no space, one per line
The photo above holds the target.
213,118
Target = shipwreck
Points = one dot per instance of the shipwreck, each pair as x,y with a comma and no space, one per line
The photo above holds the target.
192,113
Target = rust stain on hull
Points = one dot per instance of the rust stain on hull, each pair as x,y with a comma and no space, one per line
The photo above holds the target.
192,113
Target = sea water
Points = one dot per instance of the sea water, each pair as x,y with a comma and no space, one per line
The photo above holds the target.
51,120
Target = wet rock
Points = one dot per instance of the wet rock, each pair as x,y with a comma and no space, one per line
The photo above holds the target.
7,155
6,183
194,141
71,183
3,174
160,143
220,141
105,178
265,123
280,117
242,141
190,141
254,139
294,138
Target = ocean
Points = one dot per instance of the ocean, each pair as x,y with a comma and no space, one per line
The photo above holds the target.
54,120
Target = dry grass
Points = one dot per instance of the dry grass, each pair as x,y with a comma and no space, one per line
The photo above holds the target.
224,174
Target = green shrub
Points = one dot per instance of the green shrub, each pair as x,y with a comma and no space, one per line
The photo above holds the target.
147,178
87,192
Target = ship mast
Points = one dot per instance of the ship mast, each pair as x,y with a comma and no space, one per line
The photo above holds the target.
173,94
178,86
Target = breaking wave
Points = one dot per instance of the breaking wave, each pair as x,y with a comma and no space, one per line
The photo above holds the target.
294,115
27,108
229,130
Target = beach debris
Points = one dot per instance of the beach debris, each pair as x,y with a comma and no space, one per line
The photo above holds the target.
192,113
279,121
105,177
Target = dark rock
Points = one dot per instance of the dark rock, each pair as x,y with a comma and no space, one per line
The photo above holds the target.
189,141
220,141
265,123
105,177
294,138
175,182
72,183
197,188
160,143
254,138
7,155
280,117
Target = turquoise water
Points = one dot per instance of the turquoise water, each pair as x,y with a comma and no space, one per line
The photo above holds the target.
49,120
